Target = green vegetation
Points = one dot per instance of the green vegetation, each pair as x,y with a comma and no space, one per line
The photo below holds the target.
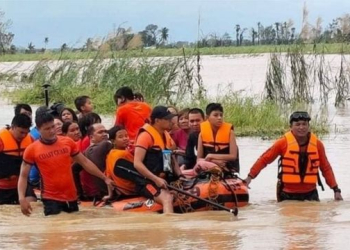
334,48
174,81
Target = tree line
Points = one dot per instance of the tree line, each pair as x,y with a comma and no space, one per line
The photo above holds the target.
153,36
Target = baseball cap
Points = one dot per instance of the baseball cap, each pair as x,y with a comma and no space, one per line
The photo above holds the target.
161,112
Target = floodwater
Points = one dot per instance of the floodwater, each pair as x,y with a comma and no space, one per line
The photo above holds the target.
264,224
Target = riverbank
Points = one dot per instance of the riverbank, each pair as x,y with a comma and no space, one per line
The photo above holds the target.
335,48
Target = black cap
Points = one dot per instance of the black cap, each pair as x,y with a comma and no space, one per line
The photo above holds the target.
299,116
161,112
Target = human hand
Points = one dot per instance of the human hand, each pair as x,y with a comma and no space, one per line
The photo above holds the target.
337,196
26,208
161,183
247,181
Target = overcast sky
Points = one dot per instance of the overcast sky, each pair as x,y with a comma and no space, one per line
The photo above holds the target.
73,21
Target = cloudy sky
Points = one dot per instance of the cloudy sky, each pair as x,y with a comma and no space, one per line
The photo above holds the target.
73,21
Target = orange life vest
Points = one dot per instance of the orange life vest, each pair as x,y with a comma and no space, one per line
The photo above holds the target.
221,140
290,161
125,186
154,156
11,158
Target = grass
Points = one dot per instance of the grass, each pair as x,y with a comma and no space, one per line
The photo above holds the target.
174,81
334,48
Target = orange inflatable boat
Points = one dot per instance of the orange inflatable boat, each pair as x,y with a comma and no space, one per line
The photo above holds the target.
231,193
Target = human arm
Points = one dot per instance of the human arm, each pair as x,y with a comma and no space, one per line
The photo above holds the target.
327,171
91,168
22,187
266,158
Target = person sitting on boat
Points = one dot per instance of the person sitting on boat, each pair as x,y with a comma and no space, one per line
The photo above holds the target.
195,118
180,136
52,156
216,141
302,157
152,158
93,187
13,142
131,114
118,158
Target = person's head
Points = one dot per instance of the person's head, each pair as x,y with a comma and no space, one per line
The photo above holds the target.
97,133
56,109
215,113
68,115
175,119
123,95
139,97
161,118
299,123
86,121
44,121
23,108
71,130
183,119
58,126
20,126
83,104
119,136
195,118
42,109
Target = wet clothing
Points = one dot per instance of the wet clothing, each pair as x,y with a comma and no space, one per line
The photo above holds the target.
10,196
191,150
309,196
279,148
34,177
54,164
52,207
92,185
132,116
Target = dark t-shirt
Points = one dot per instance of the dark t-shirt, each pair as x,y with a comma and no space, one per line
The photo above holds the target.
97,153
191,150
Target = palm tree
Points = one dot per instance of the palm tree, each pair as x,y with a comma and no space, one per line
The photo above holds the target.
238,28
164,35
46,41
31,47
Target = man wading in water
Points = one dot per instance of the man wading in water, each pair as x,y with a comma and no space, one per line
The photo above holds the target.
302,156
52,156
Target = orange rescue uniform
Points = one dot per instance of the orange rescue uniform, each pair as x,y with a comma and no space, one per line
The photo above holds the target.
292,182
11,153
54,164
132,116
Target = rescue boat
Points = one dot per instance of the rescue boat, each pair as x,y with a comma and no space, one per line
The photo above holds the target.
230,193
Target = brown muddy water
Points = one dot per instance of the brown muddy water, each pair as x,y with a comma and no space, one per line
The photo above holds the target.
263,224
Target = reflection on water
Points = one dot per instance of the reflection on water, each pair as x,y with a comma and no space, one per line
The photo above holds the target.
264,224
